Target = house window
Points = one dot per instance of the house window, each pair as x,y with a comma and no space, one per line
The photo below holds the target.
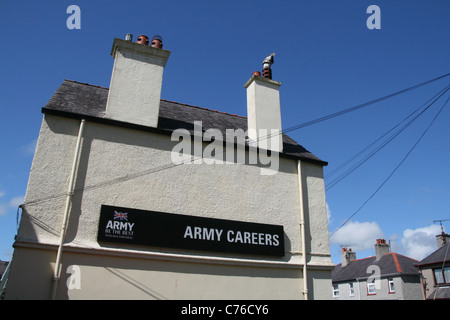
442,275
352,289
335,290
391,285
371,287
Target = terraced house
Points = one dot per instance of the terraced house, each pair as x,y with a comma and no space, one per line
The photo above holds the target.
385,276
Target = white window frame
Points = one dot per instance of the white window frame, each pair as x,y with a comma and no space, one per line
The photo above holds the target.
351,287
391,285
371,288
335,290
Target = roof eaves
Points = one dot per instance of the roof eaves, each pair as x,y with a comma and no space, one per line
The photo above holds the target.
83,100
169,132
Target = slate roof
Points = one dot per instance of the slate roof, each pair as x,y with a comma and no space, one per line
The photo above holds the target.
3,266
75,99
440,255
390,264
440,293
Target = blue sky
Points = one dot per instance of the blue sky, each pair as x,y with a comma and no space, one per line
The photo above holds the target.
326,59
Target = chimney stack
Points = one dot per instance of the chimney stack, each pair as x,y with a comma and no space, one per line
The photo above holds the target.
135,90
347,255
381,248
263,113
442,239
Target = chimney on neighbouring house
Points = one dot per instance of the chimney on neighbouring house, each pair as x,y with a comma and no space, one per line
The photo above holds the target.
135,90
347,255
381,248
442,239
263,113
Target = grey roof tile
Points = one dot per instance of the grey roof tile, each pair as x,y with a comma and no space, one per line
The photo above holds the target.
440,255
440,293
390,264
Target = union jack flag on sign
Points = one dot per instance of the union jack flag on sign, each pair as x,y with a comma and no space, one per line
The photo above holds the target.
122,216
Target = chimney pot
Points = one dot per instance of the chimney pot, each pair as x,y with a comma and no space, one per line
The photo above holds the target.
267,71
256,73
129,37
157,42
142,39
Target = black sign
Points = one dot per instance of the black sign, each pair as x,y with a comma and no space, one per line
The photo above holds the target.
142,227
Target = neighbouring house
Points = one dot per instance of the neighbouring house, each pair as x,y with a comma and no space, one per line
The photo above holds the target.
435,270
385,276
131,196
3,267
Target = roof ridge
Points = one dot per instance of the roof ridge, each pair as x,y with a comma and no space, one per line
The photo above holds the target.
203,108
357,260
402,255
394,254
363,258
85,83
397,263
183,104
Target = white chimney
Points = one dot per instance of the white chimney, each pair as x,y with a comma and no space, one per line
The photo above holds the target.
135,89
263,113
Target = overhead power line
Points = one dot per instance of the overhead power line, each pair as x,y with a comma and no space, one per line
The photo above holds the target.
395,169
355,108
389,139
172,165
366,104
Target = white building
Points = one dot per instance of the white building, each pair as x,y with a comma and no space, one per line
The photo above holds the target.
111,212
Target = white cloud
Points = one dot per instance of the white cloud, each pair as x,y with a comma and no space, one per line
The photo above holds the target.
16,201
13,203
3,209
29,148
420,242
328,214
358,235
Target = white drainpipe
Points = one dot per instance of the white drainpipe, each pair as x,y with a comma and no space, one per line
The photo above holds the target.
302,228
70,192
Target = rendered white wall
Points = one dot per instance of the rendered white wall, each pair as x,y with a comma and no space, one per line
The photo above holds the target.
117,168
